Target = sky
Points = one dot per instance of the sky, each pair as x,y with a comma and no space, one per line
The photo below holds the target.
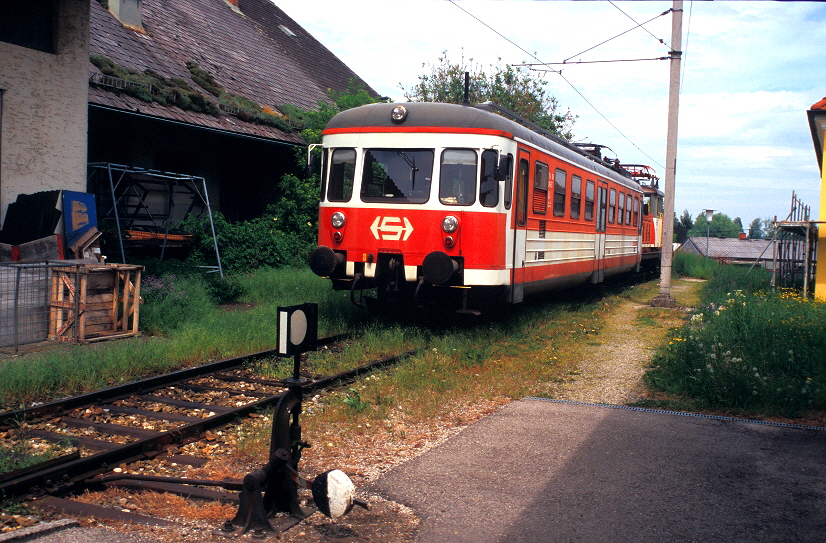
750,70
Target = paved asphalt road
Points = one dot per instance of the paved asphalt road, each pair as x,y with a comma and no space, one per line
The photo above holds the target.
541,471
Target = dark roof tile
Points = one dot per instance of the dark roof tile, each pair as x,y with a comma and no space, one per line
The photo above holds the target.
247,54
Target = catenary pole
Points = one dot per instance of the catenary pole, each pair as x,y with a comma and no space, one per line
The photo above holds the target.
664,298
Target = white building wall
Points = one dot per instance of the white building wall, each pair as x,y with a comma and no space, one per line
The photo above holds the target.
43,121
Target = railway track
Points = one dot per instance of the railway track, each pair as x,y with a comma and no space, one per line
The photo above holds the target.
145,419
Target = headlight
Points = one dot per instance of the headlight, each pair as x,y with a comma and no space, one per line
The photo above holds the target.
450,224
337,220
399,114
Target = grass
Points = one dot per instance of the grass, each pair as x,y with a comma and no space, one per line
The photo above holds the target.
189,330
739,339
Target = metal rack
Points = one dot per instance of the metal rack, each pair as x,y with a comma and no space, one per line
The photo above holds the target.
144,204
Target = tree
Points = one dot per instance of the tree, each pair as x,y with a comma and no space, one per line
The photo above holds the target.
512,87
682,226
756,229
721,227
738,223
312,122
768,228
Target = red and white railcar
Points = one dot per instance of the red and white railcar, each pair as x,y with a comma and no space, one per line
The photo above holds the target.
456,203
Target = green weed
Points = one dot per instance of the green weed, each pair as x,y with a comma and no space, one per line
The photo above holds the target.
748,349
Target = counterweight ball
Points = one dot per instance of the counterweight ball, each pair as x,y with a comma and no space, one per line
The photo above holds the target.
333,493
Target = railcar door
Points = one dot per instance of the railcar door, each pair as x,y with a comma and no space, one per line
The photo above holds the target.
520,226
599,241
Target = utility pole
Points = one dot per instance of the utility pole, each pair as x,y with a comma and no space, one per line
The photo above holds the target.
664,298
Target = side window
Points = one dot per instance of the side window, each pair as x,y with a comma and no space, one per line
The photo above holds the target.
457,179
342,173
621,208
522,193
560,178
509,183
540,188
30,24
612,206
488,186
589,201
628,210
576,196
636,210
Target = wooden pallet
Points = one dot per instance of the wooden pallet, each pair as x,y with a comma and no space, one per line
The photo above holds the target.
94,302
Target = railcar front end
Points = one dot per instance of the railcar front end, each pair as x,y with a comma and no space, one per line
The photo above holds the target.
415,214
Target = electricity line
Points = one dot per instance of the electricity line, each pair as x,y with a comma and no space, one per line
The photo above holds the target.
559,72
566,63
645,23
622,33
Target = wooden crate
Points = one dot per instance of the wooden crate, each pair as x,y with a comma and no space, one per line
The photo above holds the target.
93,302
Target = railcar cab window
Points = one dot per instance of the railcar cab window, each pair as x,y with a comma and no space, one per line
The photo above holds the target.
397,175
560,178
457,177
489,186
612,206
636,210
589,201
342,174
508,197
576,195
540,187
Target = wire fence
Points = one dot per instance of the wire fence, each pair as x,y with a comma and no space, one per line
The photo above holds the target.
67,302
24,303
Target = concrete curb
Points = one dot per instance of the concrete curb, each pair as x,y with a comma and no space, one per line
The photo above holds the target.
32,532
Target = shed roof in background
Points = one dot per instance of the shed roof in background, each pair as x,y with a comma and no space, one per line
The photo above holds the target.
730,248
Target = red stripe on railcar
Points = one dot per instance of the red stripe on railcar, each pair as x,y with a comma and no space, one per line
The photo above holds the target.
416,129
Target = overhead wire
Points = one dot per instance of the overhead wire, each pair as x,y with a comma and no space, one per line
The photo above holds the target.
685,52
639,25
559,72
662,41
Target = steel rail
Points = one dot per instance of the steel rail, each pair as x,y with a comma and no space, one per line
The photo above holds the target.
13,417
70,477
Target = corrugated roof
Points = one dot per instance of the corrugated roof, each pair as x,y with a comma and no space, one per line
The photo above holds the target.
729,248
247,54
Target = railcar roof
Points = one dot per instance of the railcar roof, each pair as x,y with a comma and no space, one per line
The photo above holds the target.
423,114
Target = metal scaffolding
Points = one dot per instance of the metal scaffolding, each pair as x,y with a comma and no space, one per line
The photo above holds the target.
144,204
795,259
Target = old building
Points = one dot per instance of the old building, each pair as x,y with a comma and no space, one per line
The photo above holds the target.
193,87
44,73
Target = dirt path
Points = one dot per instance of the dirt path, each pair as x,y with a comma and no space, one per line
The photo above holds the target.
611,370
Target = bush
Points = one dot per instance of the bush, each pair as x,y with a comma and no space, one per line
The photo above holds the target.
747,349
282,237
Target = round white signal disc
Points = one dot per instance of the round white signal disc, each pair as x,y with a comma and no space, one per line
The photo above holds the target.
298,327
